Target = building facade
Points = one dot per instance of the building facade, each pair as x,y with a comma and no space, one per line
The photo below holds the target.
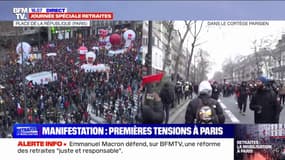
266,62
10,35
278,57
159,49
250,67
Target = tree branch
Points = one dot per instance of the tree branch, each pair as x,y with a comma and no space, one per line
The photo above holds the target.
200,28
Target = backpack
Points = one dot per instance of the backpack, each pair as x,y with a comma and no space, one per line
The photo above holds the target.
206,113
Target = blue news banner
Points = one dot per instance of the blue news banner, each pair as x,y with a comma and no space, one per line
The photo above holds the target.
122,131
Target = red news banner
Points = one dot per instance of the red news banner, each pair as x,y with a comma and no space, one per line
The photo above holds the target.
72,16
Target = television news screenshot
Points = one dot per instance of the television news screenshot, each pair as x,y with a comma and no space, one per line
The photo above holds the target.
90,80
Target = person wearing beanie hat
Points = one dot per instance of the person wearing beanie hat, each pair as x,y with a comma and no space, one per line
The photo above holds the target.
263,79
265,103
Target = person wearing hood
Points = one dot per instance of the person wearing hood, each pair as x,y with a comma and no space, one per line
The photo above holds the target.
265,103
204,109
242,94
152,109
167,97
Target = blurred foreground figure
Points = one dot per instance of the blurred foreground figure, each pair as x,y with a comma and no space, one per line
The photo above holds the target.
152,111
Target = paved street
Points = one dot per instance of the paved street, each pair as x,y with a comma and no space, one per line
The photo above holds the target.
230,109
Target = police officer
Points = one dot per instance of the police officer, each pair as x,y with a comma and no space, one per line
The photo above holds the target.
178,91
187,90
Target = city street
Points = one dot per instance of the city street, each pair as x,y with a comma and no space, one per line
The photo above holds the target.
230,109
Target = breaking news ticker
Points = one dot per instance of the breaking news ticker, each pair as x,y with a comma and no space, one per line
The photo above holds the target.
118,141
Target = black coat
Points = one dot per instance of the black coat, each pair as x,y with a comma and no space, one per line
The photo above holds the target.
152,112
215,93
193,106
266,107
243,93
167,94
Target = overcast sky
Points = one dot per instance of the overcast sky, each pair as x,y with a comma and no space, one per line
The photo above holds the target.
226,39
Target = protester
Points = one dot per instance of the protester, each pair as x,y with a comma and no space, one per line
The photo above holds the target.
152,111
215,91
265,103
242,95
167,97
204,109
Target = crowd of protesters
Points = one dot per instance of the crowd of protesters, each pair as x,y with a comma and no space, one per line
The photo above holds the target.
67,99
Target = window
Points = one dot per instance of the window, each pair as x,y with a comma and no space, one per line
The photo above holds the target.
282,58
154,42
145,41
158,42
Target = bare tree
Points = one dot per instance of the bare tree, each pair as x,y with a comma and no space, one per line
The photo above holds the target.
257,59
261,48
266,59
218,76
182,38
278,58
195,31
228,69
169,36
203,64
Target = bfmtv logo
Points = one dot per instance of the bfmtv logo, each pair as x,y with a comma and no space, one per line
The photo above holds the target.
27,131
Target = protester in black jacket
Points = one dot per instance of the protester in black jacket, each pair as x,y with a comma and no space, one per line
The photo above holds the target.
215,91
152,111
265,104
242,97
204,99
167,97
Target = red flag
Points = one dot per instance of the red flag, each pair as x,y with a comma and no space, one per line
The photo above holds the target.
152,78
